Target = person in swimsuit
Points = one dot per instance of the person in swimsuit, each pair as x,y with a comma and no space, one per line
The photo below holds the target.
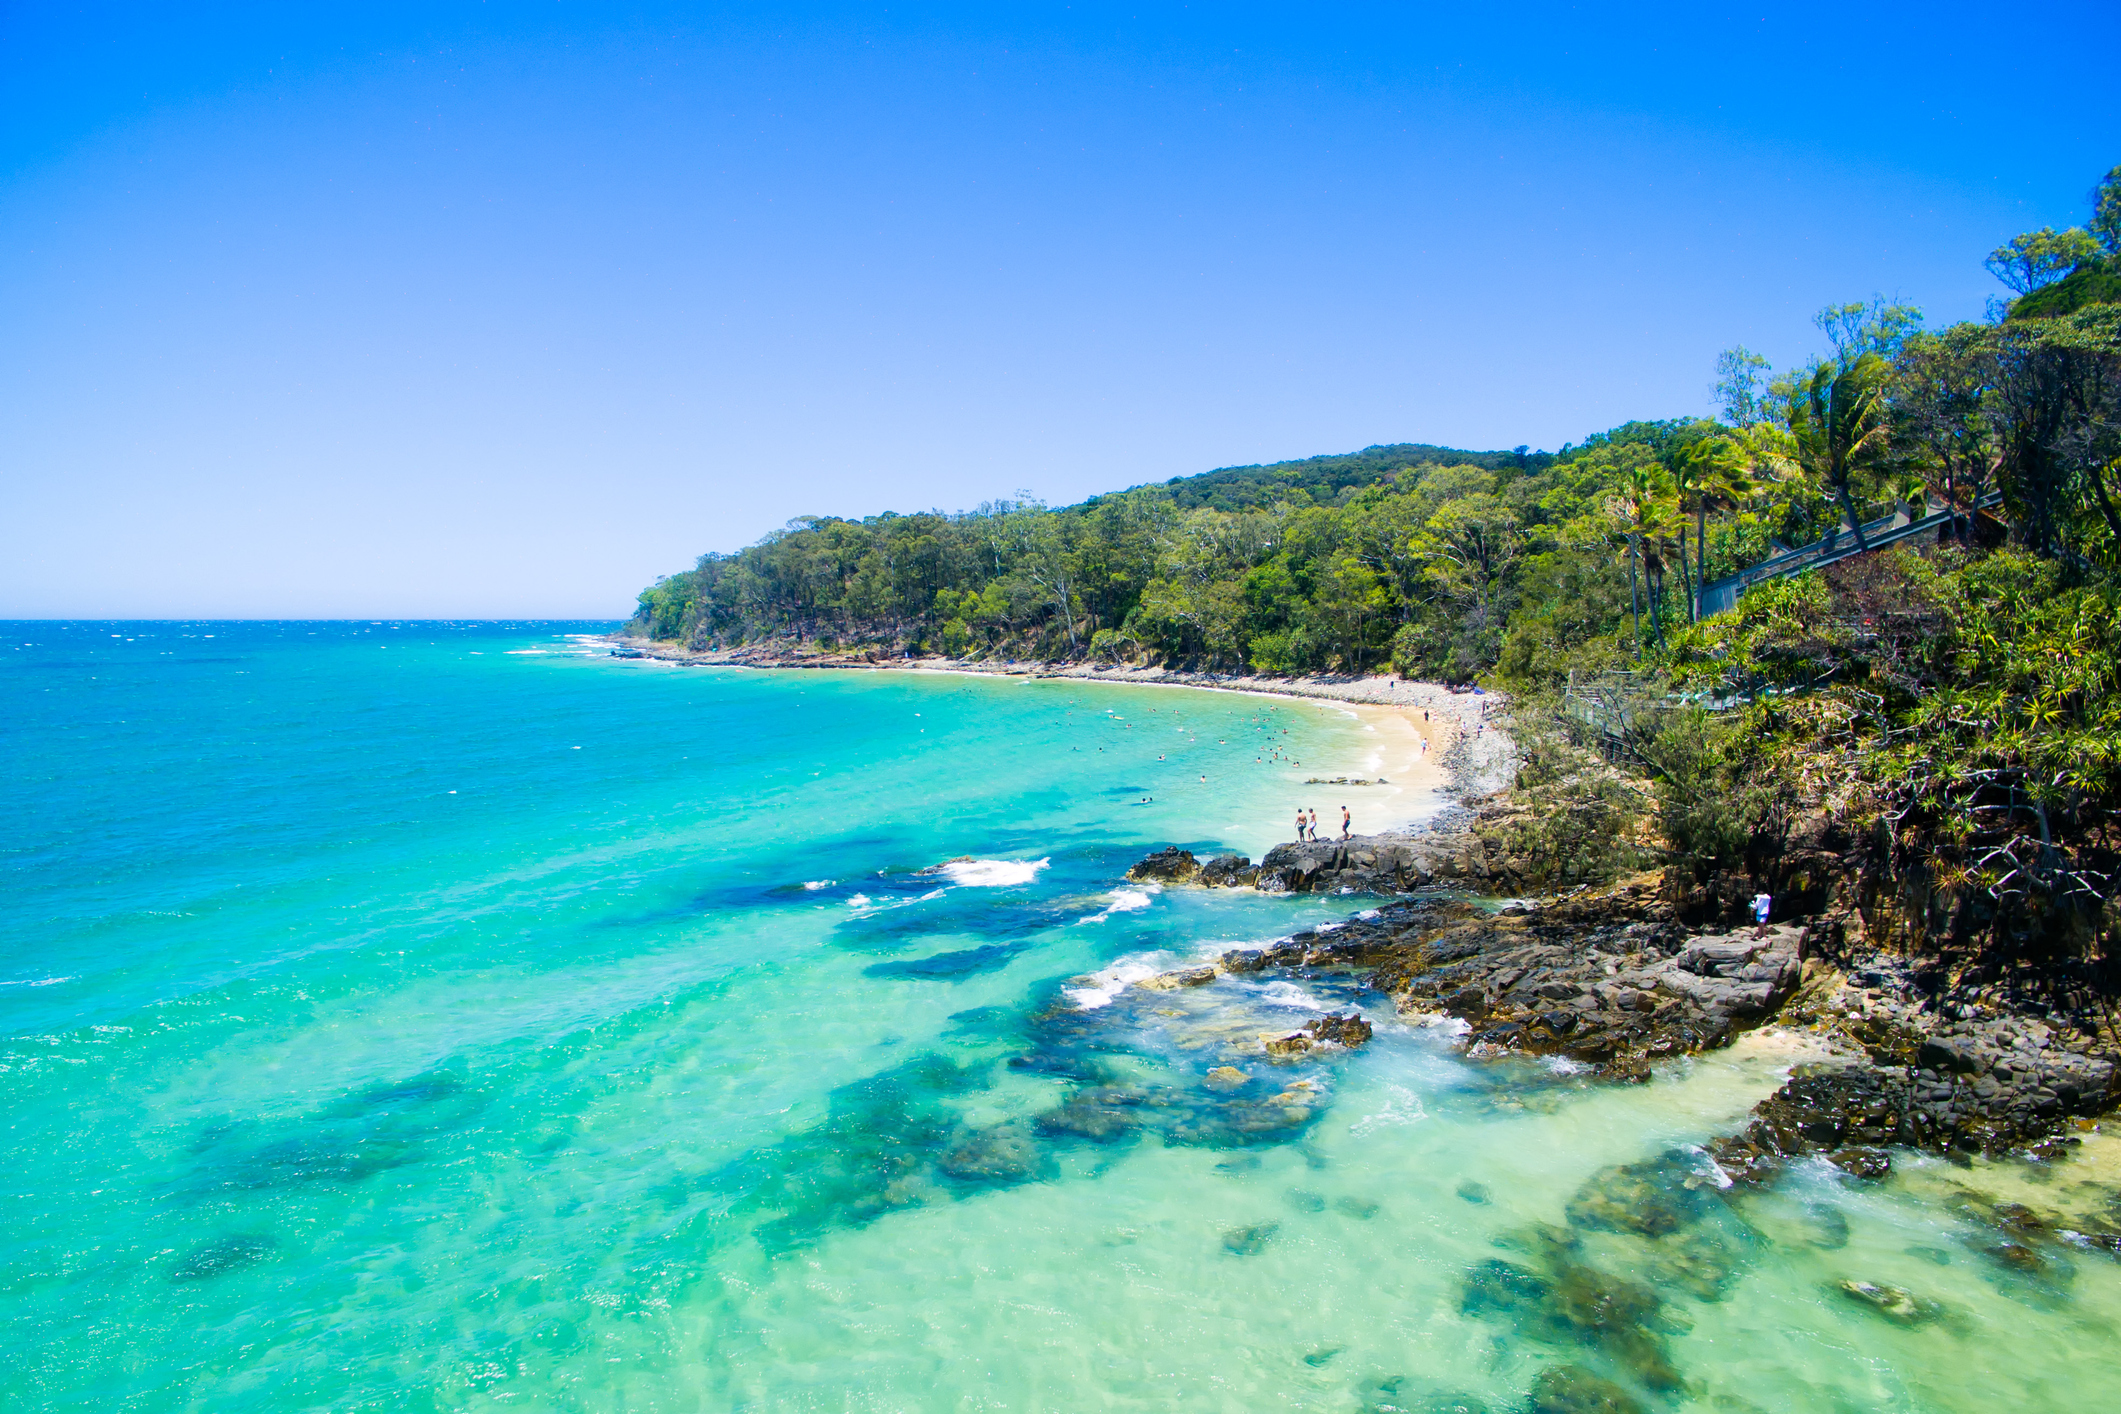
1346,821
1314,827
1299,826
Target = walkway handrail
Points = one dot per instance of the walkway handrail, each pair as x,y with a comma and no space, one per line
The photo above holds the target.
1828,549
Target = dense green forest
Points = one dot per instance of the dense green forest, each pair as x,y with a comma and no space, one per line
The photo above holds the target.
1940,725
1449,564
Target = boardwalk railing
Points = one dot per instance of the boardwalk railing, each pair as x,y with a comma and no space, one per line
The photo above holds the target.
1720,596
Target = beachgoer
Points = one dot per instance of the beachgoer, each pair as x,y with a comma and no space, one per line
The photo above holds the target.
1346,821
1763,905
1314,827
1299,826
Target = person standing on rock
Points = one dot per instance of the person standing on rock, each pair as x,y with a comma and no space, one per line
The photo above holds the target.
1763,905
1314,827
1347,822
1299,827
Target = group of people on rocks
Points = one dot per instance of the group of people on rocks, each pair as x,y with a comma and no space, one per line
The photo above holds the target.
1307,824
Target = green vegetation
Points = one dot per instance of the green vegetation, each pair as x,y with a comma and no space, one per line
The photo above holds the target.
1941,722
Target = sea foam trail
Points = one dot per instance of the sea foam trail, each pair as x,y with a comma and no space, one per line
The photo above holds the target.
1122,901
1098,988
991,873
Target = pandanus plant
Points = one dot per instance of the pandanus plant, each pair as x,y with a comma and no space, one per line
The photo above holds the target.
1838,422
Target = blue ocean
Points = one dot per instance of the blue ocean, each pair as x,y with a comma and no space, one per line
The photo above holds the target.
451,1016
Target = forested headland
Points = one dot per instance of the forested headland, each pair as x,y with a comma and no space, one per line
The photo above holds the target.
1940,720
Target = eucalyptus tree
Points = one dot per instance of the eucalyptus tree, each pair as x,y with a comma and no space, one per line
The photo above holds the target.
2057,394
1944,414
2027,262
1741,385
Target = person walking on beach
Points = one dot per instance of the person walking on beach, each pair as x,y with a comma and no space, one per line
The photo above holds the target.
1346,821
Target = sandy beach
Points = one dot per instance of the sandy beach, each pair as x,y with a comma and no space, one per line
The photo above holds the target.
1424,745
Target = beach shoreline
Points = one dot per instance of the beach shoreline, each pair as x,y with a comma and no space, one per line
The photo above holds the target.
1435,747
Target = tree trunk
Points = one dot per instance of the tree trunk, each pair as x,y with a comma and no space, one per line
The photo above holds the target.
1693,599
1701,556
1848,508
1634,600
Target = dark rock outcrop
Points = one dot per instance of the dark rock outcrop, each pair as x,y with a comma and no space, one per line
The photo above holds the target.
1169,865
1610,981
1361,864
1330,1029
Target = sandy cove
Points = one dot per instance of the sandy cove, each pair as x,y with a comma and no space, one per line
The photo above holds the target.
1434,745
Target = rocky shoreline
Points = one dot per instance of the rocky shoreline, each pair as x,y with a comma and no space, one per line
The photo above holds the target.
1614,981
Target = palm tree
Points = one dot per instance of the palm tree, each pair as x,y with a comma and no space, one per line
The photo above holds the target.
1838,422
1708,476
1640,498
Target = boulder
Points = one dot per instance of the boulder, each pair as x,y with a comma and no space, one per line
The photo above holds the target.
1896,1304
1169,865
1350,1030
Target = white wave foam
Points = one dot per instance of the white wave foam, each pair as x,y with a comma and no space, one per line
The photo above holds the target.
1705,1164
1098,988
819,883
1122,901
515,652
1288,994
991,873
1403,1108
1563,1065
40,982
858,901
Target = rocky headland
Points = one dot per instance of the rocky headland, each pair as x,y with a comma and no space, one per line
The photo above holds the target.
1617,980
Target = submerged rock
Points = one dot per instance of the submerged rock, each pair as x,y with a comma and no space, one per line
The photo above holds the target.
1896,1304
224,1255
1249,1241
1226,1078
1003,1154
1653,1198
1359,1208
1572,1302
1473,1192
1571,1389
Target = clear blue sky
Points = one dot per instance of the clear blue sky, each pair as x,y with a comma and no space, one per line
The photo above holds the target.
502,309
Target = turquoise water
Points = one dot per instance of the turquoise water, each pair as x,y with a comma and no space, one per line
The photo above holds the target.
424,1016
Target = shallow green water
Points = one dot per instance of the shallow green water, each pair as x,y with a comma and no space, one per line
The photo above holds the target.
447,1017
